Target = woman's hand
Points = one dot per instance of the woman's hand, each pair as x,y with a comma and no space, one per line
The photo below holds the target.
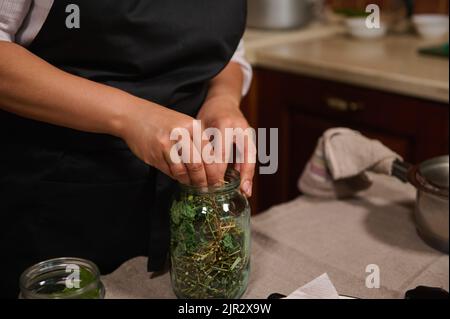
223,112
147,129
88,106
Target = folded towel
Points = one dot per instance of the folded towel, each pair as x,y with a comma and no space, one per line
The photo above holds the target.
338,167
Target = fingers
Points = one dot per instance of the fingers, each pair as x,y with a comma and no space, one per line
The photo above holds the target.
177,169
225,150
196,169
215,163
202,162
185,161
164,167
214,173
188,169
218,172
247,167
247,171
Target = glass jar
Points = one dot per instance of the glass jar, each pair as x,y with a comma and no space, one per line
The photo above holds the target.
210,241
62,278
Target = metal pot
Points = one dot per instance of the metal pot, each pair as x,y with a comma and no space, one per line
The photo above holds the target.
431,180
279,14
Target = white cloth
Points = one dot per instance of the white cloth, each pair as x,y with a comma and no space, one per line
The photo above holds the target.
21,21
338,167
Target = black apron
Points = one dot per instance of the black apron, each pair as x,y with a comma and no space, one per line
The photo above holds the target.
69,193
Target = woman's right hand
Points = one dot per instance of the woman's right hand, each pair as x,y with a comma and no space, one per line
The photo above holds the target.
146,128
89,106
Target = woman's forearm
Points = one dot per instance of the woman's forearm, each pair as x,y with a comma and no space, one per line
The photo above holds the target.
228,84
32,88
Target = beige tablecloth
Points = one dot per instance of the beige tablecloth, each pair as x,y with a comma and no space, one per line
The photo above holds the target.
296,242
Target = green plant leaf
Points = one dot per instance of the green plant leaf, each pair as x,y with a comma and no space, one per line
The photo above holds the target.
227,242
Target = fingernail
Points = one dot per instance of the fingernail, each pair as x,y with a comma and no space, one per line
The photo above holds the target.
247,187
219,184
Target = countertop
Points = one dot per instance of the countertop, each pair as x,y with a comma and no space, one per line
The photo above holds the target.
390,64
295,242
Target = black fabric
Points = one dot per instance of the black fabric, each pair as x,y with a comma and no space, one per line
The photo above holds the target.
70,193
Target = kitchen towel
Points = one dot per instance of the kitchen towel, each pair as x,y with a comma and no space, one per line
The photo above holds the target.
319,288
338,168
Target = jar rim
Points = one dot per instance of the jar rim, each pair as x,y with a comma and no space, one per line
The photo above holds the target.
54,264
232,181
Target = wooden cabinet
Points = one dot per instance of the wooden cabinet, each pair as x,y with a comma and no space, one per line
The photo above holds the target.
302,108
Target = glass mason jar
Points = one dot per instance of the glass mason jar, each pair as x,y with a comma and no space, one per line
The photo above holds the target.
210,241
62,278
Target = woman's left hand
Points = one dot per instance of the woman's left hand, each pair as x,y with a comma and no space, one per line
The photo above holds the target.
223,112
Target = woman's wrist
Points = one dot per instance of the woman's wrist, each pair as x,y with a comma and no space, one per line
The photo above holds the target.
124,111
224,99
226,88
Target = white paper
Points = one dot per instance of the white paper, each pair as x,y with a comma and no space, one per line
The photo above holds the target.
319,288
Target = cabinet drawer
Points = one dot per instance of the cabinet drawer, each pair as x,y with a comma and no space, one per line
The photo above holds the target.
362,106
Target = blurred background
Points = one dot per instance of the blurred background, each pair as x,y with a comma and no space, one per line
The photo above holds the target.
420,6
317,66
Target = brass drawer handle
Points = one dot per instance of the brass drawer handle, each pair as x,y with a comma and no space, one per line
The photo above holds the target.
341,105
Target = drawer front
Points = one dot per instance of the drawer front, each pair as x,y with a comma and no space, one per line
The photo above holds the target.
362,106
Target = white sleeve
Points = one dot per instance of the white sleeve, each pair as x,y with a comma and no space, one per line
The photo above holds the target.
12,15
239,57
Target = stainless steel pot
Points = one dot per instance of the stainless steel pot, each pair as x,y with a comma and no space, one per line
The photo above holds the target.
431,180
279,14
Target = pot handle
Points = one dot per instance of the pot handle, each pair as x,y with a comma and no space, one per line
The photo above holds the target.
400,170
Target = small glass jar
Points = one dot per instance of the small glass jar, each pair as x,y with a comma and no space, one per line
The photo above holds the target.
62,278
210,241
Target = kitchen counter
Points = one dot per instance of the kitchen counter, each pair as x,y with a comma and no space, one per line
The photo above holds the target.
296,242
257,40
391,64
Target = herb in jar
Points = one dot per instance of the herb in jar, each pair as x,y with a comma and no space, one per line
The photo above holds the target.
209,246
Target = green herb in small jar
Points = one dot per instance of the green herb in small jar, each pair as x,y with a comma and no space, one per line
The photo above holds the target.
62,278
210,241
